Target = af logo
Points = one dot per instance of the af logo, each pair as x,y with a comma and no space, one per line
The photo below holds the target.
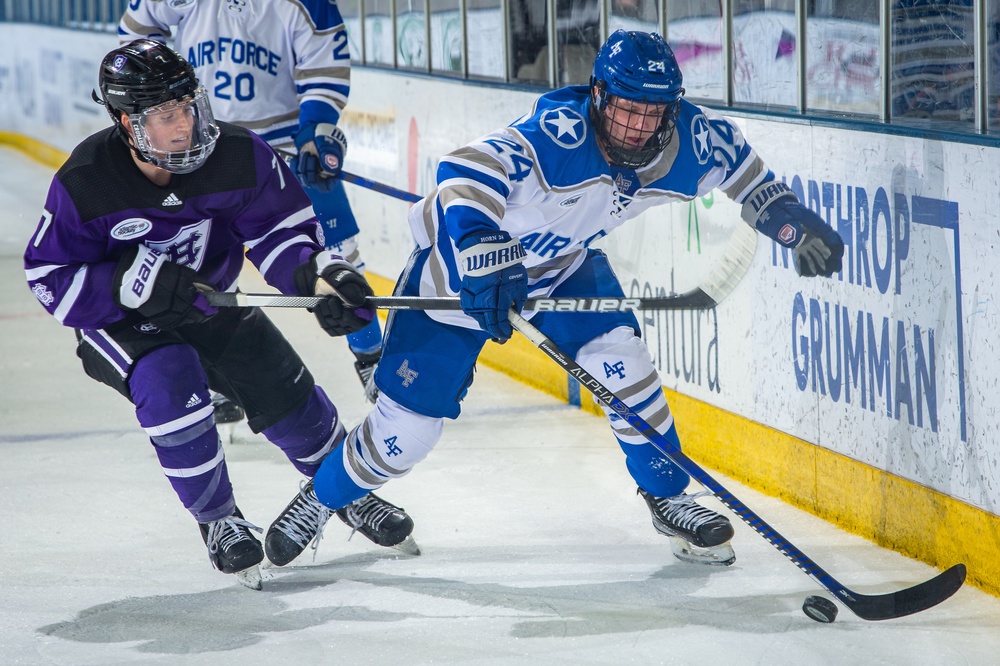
701,138
408,375
564,126
616,369
622,183
187,247
390,447
616,48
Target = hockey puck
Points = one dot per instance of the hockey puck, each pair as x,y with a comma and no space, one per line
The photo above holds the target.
820,609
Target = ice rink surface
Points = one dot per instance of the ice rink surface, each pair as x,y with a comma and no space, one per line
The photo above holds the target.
536,549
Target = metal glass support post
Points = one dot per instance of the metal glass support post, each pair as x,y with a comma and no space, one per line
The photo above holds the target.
885,58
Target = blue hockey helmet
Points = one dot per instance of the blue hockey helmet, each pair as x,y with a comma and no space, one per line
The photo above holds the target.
635,92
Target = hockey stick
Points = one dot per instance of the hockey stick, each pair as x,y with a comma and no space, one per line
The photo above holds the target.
381,188
368,183
866,606
733,265
581,304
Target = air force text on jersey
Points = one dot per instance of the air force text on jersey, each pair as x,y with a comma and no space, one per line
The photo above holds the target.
237,51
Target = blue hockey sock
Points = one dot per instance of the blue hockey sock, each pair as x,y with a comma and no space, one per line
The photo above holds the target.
367,340
333,485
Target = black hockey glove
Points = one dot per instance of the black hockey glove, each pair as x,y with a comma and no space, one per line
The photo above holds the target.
166,294
776,212
343,311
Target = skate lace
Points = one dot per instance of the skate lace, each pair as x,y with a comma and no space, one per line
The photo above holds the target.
368,511
225,533
683,511
305,520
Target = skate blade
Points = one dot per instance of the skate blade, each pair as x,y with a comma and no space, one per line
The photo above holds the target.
722,555
226,432
250,578
408,546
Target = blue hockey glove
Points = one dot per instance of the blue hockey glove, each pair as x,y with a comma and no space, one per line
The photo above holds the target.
494,280
322,147
343,311
168,295
775,211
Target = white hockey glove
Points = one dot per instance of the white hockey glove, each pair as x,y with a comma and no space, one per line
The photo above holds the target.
166,294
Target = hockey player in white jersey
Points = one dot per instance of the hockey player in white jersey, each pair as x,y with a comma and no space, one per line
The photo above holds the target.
513,215
280,68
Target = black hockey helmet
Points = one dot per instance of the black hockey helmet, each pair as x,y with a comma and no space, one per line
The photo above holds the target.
143,76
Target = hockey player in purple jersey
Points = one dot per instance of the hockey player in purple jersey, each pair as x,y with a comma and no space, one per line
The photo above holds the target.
144,217
513,216
283,70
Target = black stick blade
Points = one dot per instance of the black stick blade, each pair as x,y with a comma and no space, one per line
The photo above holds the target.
905,602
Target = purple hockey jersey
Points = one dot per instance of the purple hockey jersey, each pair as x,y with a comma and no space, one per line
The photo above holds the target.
243,198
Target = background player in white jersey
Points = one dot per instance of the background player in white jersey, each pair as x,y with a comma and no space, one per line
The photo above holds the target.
144,216
513,216
281,68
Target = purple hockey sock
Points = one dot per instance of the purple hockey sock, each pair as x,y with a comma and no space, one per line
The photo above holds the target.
309,434
172,404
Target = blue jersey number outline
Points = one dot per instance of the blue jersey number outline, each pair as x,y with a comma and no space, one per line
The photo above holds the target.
522,165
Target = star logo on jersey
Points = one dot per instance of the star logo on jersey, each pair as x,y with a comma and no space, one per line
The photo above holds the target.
701,139
564,126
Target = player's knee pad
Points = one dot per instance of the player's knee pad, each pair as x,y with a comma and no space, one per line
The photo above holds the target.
170,390
619,360
389,443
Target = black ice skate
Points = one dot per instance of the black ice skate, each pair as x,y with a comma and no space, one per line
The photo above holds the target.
365,367
233,549
225,410
381,522
697,535
300,524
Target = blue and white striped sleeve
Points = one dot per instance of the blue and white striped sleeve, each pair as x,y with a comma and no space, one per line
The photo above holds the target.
473,188
322,63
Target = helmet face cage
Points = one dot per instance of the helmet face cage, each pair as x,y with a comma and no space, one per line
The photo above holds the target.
619,121
141,80
176,136
635,97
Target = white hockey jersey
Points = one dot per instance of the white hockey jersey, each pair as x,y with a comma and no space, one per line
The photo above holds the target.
544,181
263,62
